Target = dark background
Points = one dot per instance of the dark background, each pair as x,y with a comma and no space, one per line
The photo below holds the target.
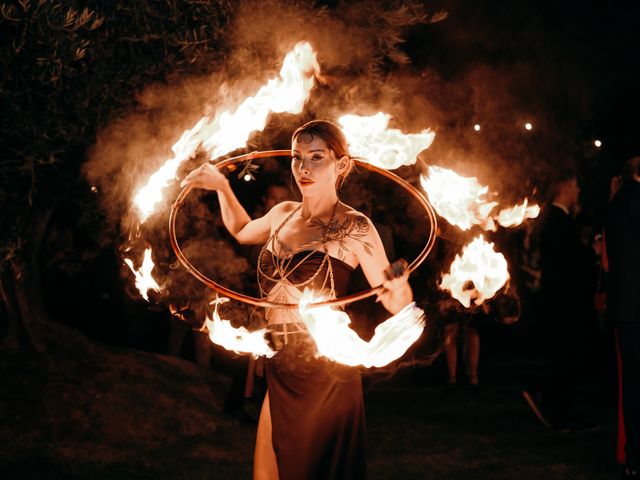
78,385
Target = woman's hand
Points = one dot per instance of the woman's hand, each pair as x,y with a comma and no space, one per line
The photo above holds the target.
396,293
206,176
235,218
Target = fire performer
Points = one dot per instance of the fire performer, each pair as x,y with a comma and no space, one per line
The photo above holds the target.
312,420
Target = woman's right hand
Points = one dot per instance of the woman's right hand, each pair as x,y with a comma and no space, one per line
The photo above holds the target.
206,176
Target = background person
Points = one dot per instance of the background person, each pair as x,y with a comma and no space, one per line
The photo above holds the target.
623,303
567,305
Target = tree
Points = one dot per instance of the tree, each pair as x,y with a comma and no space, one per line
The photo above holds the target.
68,69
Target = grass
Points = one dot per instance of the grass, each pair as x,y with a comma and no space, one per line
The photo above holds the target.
105,413
424,432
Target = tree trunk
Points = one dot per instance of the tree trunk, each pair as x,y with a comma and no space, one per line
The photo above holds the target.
14,336
21,291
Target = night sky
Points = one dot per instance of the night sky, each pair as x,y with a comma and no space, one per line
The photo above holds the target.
573,64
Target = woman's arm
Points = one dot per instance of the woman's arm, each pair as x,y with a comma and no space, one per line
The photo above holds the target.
394,278
235,218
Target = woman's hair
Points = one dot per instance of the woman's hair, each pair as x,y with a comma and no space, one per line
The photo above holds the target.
331,134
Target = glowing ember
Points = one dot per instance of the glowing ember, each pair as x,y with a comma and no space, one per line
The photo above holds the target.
389,148
460,200
511,217
477,275
336,341
144,280
239,340
229,131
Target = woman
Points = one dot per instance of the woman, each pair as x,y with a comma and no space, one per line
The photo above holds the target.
312,419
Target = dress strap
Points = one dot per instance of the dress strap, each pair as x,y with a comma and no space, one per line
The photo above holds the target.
282,263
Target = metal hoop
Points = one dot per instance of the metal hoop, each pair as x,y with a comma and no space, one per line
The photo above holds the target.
259,302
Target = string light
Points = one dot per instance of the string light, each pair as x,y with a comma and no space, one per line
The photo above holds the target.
597,143
476,127
528,126
247,178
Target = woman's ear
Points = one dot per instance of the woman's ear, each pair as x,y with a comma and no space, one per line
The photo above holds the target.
343,164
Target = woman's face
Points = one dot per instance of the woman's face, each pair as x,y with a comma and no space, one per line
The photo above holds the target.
314,166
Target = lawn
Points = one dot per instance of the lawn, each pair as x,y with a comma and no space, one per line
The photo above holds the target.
89,411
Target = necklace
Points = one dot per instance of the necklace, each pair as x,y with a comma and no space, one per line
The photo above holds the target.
283,265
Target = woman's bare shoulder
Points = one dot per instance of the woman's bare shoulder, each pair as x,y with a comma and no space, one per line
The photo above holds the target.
356,228
279,211
350,215
284,208
360,235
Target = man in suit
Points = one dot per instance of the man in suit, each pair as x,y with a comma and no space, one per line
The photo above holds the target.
566,308
622,234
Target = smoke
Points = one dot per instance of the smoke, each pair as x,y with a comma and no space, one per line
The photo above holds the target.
134,145
364,70
501,68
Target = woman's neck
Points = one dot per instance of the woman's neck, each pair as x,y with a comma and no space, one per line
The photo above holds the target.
318,206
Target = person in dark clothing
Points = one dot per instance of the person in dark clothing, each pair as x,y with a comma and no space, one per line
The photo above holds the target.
623,303
566,308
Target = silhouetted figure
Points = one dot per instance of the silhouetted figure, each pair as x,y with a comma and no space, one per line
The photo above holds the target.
623,303
566,309
470,347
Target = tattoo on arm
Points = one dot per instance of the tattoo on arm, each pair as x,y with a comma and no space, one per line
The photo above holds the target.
353,227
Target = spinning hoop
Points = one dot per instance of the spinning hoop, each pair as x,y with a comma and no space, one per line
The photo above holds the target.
259,302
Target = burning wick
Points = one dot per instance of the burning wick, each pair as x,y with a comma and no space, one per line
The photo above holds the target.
240,340
388,148
229,130
144,280
511,217
337,341
460,200
528,126
476,127
597,143
477,274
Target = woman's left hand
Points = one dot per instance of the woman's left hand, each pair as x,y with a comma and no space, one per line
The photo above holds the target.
396,293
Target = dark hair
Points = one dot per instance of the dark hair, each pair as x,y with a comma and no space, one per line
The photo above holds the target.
631,168
331,134
559,179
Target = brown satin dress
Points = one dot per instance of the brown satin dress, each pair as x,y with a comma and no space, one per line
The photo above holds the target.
317,407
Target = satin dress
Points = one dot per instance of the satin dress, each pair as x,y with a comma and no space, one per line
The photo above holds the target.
317,407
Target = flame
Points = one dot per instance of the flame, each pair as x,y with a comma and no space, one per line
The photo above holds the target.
511,217
477,275
331,332
388,148
229,131
336,341
458,199
240,340
144,280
